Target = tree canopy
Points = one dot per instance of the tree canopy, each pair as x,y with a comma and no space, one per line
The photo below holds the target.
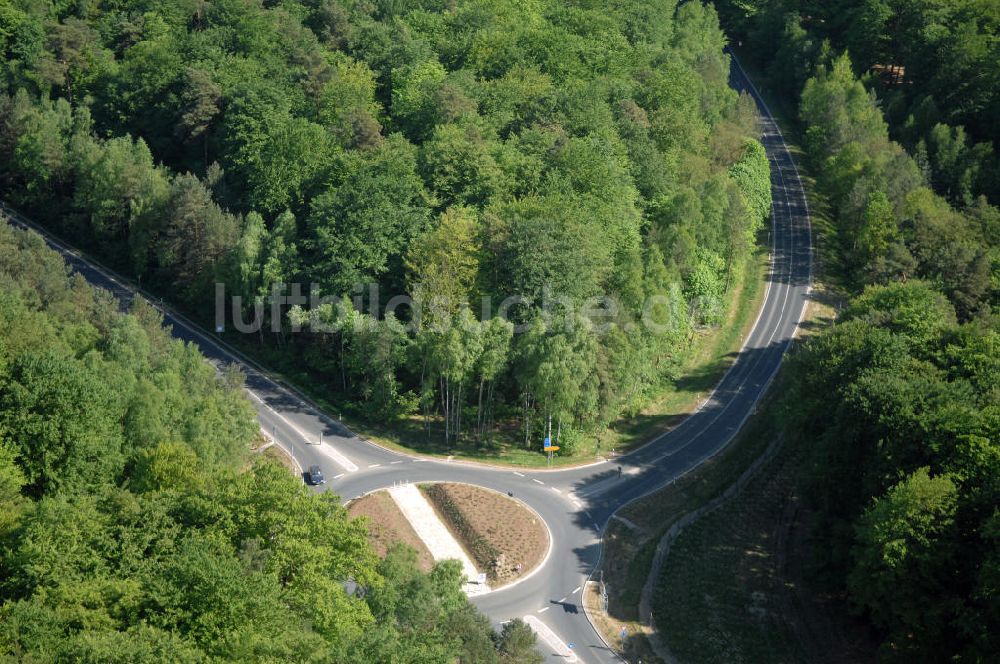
453,150
895,407
899,408
136,527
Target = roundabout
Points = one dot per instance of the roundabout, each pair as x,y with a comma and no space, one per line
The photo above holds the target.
575,504
500,540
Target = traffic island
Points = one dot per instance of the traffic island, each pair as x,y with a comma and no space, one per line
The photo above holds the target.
505,538
387,525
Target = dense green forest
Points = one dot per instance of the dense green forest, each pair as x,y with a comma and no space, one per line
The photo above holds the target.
934,65
898,404
554,151
134,528
899,102
899,407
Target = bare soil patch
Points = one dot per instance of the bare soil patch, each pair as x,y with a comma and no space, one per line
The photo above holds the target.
387,525
515,533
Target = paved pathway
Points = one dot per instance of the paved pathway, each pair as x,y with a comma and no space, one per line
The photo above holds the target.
434,534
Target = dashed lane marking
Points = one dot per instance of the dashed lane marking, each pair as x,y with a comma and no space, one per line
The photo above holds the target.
341,460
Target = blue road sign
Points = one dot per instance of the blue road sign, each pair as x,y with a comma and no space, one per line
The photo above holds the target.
548,442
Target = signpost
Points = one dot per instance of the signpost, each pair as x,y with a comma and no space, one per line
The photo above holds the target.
547,446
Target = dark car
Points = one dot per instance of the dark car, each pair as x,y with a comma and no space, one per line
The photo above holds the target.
315,476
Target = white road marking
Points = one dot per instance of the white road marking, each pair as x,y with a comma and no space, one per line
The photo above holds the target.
546,634
374,465
776,279
343,461
337,477
576,591
537,481
327,449
393,463
519,474
556,490
545,609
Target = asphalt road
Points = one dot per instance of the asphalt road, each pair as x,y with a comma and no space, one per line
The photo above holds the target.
575,503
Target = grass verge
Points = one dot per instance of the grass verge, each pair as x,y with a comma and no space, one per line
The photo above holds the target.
279,455
630,544
704,363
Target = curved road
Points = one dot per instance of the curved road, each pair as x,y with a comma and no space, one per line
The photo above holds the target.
576,503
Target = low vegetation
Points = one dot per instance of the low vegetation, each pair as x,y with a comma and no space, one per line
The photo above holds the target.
516,536
481,549
881,502
733,586
630,543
